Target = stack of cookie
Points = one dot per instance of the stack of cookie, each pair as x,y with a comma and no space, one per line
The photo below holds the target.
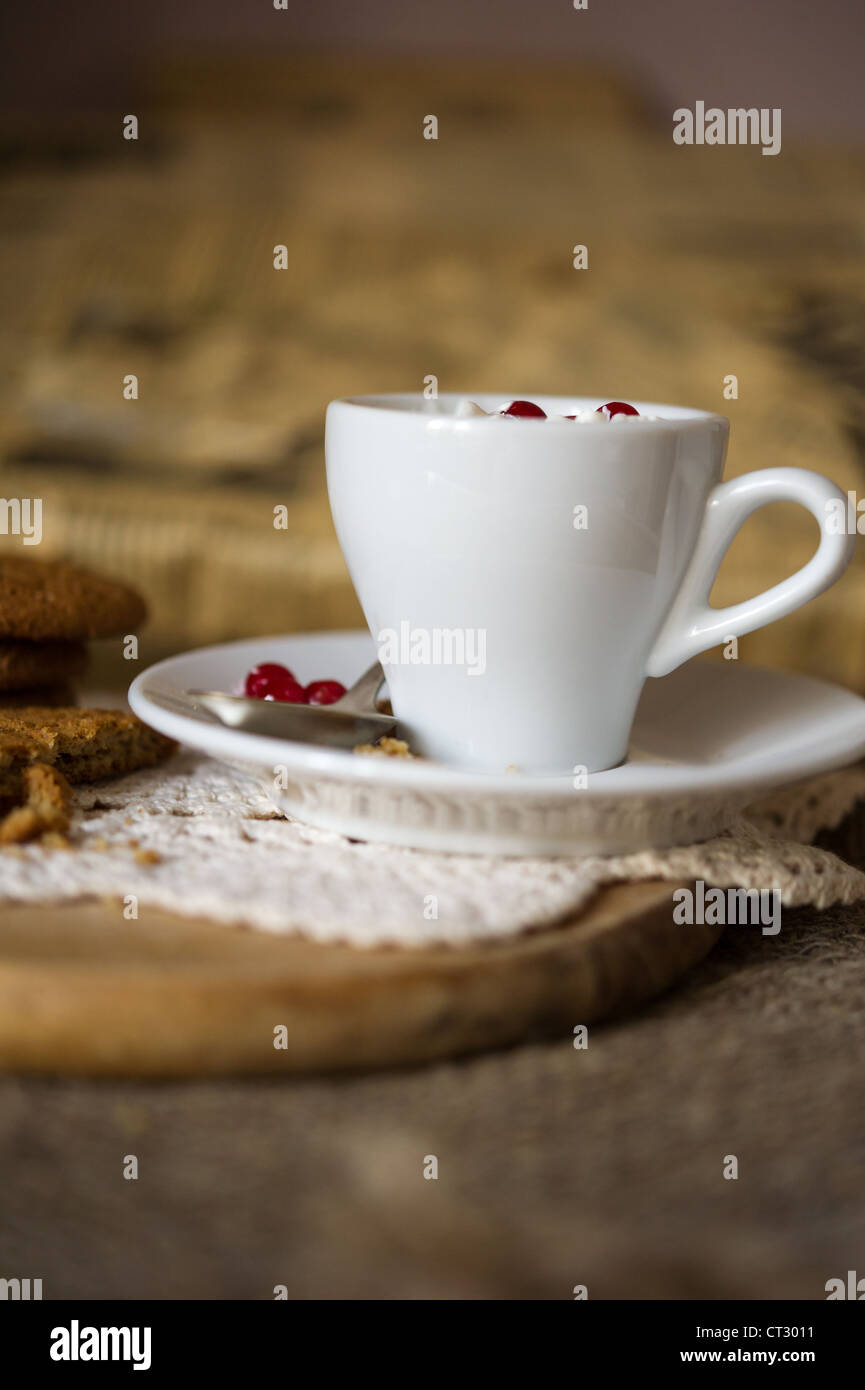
48,611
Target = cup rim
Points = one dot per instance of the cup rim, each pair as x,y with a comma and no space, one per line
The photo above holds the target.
398,406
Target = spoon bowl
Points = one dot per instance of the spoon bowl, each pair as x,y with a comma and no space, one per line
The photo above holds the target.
349,721
300,723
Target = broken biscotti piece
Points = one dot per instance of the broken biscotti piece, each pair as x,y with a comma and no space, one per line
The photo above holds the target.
44,808
86,745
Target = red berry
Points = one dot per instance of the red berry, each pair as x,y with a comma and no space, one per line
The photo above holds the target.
324,692
286,690
525,410
258,680
616,408
270,681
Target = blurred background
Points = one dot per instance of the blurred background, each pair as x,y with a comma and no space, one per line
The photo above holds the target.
409,257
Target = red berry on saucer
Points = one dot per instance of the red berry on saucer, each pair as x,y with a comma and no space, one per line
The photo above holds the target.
258,681
286,690
616,408
524,410
324,692
270,681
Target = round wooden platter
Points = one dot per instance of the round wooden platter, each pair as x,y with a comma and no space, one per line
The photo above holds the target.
85,992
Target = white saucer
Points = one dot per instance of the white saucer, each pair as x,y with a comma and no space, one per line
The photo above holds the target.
707,739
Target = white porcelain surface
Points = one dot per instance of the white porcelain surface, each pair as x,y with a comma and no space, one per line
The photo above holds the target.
707,739
466,524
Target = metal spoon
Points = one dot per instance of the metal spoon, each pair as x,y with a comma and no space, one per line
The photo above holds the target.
348,721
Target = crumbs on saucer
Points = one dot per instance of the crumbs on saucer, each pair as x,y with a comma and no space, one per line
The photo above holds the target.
385,748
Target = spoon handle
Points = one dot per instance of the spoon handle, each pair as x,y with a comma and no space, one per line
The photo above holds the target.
180,702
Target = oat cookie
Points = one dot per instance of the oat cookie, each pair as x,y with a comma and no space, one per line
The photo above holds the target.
32,665
43,600
49,696
84,744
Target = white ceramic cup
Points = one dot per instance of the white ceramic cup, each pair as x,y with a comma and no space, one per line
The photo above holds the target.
522,577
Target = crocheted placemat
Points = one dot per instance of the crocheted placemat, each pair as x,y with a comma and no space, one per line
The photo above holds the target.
200,839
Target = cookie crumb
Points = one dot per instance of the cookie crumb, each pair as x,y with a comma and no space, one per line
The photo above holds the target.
147,856
45,797
52,839
385,748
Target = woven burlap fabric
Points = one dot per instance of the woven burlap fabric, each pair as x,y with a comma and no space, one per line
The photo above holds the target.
557,1167
406,258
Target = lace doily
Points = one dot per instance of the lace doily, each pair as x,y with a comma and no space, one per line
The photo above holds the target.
201,839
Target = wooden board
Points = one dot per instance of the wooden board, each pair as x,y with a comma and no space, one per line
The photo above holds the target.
84,992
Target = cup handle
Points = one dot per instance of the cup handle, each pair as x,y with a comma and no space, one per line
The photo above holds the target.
692,625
